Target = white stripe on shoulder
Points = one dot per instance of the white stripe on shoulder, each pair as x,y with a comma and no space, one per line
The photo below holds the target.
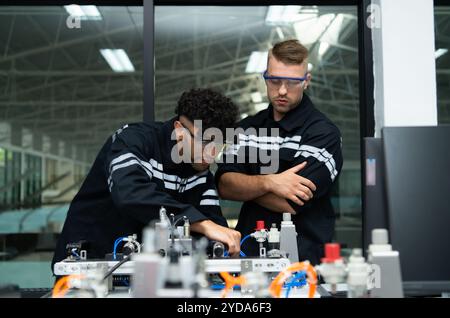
118,131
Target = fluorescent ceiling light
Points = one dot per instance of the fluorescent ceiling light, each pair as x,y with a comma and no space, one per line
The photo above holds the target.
112,60
74,10
257,62
124,60
260,106
309,31
439,53
91,11
283,15
274,14
83,12
323,48
118,60
333,30
256,97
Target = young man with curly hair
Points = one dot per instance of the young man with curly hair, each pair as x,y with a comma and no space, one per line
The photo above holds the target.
138,170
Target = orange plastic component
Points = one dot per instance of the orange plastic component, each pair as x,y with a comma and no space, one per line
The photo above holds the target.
230,282
277,284
62,286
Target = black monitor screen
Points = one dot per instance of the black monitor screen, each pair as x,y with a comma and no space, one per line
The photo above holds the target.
417,171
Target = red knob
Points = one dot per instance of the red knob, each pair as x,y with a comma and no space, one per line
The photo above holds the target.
260,225
332,253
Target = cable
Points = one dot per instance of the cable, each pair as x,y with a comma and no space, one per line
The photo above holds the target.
298,280
288,290
116,244
245,238
74,253
222,287
241,253
62,286
217,286
278,283
123,261
230,282
178,220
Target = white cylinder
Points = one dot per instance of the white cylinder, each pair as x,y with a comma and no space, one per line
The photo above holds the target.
286,217
149,240
380,236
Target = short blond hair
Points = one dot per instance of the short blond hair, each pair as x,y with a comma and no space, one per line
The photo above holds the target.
290,52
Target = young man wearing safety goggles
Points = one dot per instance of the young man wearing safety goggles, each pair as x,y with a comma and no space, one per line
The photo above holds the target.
308,147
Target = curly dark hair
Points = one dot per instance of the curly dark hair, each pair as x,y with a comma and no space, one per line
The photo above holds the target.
213,108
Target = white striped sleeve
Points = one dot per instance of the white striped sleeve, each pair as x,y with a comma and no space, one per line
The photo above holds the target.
322,155
124,161
209,202
210,197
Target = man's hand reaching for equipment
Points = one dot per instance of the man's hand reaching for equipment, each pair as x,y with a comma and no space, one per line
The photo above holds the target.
215,232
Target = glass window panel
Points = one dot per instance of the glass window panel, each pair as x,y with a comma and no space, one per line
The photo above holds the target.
211,46
59,101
